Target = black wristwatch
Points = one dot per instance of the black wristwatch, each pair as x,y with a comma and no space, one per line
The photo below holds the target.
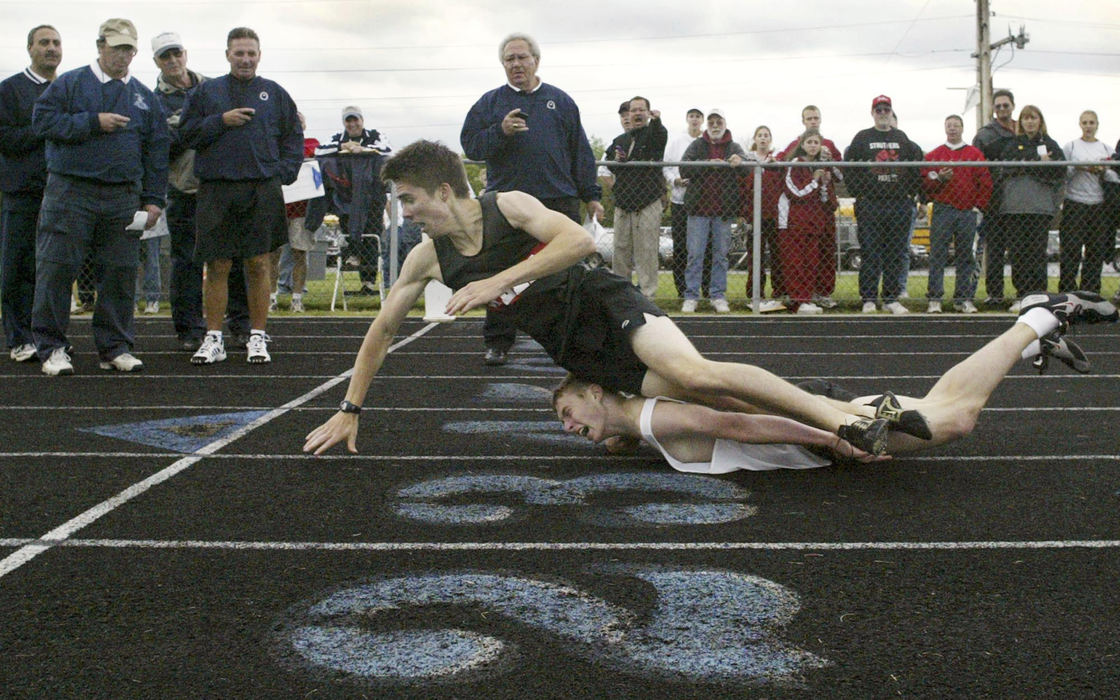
347,407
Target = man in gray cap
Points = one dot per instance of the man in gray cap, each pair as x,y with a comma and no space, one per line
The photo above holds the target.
174,83
107,147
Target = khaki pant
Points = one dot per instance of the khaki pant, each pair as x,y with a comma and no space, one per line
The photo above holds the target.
636,238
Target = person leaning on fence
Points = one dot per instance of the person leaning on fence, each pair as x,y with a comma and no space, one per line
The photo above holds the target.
712,203
807,224
23,166
357,197
637,196
762,150
678,217
956,195
1028,200
884,207
1085,222
107,147
530,135
249,142
508,250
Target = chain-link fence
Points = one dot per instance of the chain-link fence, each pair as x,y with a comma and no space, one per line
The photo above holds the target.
785,237
807,237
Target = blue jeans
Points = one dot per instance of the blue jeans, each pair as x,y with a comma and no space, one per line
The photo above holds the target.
951,225
149,258
18,216
700,230
884,235
80,217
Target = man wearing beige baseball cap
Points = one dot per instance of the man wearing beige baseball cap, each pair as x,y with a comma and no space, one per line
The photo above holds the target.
107,147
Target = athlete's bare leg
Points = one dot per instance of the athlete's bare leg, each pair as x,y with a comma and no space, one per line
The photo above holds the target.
678,370
953,405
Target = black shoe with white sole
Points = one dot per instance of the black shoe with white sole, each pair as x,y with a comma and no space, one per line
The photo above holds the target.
1063,349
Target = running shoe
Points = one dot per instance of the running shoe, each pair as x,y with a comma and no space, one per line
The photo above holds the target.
1056,346
1072,307
257,349
910,422
212,350
867,434
58,364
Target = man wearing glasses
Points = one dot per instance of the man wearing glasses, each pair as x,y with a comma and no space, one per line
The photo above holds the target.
1002,126
106,160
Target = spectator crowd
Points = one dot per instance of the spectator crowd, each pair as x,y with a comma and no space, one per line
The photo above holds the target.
91,159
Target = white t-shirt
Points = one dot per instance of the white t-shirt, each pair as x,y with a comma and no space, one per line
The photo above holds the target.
1081,186
732,455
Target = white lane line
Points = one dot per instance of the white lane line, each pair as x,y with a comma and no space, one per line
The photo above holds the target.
63,532
569,546
510,458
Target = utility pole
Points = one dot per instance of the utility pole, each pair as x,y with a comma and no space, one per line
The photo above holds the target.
983,63
983,57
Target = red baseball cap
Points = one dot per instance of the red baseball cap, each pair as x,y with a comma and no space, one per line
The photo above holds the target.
881,100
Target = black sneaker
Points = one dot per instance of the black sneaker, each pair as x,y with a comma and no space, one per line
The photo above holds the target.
1064,349
867,434
910,422
1072,307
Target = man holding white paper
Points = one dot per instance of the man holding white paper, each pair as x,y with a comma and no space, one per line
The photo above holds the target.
107,145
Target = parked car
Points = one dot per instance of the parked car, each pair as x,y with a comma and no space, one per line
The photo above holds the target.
604,249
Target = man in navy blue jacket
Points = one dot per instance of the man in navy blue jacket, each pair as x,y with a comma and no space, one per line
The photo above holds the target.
530,135
248,143
107,147
23,165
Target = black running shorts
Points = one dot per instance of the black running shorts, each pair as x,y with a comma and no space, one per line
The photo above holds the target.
236,220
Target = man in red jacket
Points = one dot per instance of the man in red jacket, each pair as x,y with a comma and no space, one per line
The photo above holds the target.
957,195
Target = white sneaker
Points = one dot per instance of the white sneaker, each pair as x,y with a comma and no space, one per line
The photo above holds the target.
770,305
869,307
825,302
272,307
257,349
212,350
688,306
1014,308
125,362
809,308
22,353
721,306
58,364
152,307
965,307
934,307
896,308
297,305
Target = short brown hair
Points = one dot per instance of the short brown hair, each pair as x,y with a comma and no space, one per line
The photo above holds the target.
427,165
241,33
568,384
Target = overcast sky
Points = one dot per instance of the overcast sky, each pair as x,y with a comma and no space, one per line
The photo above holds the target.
416,67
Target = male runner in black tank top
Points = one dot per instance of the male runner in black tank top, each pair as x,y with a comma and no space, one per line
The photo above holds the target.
592,322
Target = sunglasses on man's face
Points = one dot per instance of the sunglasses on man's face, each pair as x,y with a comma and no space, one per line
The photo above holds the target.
171,52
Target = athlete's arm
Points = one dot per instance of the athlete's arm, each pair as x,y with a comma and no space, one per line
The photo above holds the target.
685,428
419,268
566,243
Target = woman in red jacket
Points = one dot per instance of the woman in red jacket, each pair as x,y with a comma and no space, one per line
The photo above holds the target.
807,225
